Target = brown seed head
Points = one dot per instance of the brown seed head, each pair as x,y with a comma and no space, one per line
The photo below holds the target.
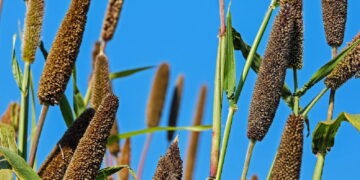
101,84
90,151
254,177
169,166
287,163
194,136
125,159
114,148
111,19
271,76
175,105
334,18
63,53
32,29
54,167
157,95
345,69
12,115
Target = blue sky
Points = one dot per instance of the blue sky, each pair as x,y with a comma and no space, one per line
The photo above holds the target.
184,34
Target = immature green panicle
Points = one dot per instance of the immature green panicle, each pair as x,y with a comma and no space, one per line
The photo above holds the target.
90,151
100,81
296,9
157,95
175,105
266,95
287,164
169,166
63,53
54,167
334,17
111,19
347,68
32,29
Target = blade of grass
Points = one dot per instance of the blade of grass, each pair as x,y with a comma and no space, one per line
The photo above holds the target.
108,171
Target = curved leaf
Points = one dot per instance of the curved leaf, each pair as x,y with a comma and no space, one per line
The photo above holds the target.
129,72
104,173
230,68
15,65
7,139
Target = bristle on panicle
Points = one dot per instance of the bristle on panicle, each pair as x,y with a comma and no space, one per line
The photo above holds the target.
347,68
288,159
12,115
169,166
111,19
175,106
101,84
114,148
125,159
55,165
334,18
63,53
90,151
271,76
32,29
157,95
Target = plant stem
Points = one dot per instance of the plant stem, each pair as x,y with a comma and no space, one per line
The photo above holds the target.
296,98
222,18
143,156
319,166
87,95
332,91
248,158
313,102
225,141
24,110
36,138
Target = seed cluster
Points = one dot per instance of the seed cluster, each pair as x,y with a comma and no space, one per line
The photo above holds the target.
288,159
63,53
12,115
334,18
271,76
114,148
347,68
90,151
125,159
111,19
54,167
32,29
101,85
175,106
157,95
169,166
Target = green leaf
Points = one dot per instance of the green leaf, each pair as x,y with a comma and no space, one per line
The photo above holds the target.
78,100
104,173
113,139
15,65
230,68
326,69
7,139
325,132
66,111
18,164
129,72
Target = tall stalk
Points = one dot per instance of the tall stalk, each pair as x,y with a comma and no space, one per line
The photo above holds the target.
24,109
240,85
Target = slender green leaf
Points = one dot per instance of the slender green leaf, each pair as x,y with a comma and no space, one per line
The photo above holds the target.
326,69
113,139
7,139
78,100
33,111
66,111
129,72
230,68
104,173
325,131
19,166
15,65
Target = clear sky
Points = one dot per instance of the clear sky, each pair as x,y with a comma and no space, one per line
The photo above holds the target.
184,34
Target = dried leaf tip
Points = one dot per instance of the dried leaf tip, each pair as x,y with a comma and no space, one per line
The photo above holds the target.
32,29
157,95
55,165
101,84
170,166
346,68
287,163
175,105
90,151
63,53
334,18
271,76
111,19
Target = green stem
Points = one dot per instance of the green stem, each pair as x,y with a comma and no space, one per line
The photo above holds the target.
271,167
24,110
87,95
296,98
313,102
248,158
225,141
319,166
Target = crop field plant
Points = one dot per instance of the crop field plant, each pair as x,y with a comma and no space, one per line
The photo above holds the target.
82,97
